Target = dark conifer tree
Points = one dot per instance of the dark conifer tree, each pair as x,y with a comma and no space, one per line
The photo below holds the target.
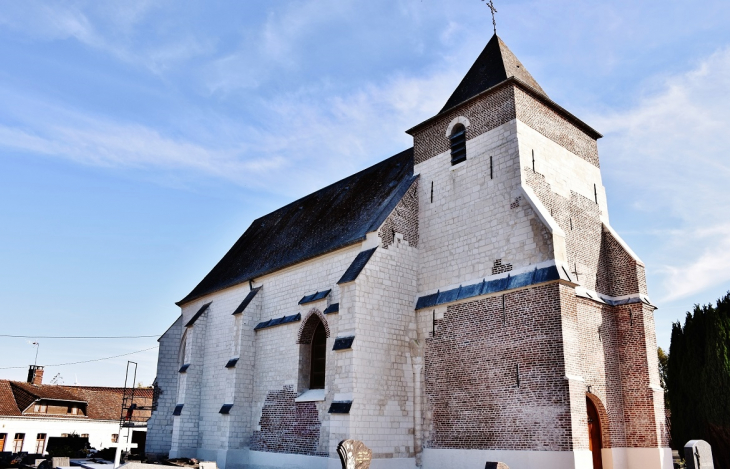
698,379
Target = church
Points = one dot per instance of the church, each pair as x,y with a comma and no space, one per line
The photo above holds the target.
463,301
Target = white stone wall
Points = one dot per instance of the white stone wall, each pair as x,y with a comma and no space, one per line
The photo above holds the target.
100,431
384,320
472,220
563,170
159,437
268,358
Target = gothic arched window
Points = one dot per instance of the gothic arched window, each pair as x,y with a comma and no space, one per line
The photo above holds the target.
318,358
458,144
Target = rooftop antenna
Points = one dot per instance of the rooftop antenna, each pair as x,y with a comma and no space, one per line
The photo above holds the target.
37,346
490,4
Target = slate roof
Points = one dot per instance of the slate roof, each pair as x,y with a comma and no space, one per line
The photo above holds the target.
357,265
246,301
334,217
494,65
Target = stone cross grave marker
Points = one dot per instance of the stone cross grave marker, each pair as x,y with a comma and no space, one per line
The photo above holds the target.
354,454
698,455
122,446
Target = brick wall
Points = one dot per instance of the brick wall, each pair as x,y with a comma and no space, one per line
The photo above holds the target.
471,374
484,114
288,426
580,219
403,220
642,396
555,127
619,274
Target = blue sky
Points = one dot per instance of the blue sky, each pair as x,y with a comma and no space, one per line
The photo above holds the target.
139,139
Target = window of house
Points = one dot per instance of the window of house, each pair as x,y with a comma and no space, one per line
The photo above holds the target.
3,437
319,357
40,443
18,442
115,438
40,408
458,144
73,410
84,435
64,435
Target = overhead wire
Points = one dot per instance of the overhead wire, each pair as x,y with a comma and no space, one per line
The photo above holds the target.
85,361
79,337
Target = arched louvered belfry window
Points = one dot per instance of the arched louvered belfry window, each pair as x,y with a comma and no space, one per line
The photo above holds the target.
458,144
319,356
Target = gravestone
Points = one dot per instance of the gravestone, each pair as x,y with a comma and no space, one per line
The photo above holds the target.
60,462
354,454
698,455
496,465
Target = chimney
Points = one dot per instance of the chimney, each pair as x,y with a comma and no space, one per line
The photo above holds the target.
35,374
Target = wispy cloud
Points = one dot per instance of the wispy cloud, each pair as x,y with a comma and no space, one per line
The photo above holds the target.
671,150
110,28
710,268
303,138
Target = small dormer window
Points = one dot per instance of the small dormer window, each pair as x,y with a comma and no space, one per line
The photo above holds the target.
458,144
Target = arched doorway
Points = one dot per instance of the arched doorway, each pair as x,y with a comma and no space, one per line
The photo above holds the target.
595,442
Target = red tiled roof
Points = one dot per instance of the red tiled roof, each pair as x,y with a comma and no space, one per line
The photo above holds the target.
102,403
138,392
47,391
7,400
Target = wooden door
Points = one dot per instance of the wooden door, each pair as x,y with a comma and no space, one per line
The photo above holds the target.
594,434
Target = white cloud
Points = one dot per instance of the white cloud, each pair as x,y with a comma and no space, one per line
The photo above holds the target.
670,151
107,27
711,268
301,138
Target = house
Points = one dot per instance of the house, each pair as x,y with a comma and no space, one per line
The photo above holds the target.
465,300
32,412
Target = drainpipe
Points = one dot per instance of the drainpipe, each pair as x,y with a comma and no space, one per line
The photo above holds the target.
417,361
418,420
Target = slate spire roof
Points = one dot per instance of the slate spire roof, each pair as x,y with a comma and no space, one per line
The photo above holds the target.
334,217
494,65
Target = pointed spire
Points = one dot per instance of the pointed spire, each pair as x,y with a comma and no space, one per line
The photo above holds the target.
494,65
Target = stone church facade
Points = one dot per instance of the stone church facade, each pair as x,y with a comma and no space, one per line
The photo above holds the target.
463,301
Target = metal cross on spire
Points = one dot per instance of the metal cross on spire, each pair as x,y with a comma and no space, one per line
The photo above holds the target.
490,4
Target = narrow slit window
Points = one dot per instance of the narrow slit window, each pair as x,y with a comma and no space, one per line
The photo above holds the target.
595,192
491,168
533,161
431,191
458,144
